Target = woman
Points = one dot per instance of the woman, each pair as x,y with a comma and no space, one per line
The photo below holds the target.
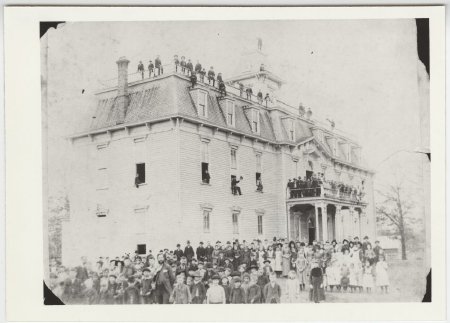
286,260
278,267
293,250
301,265
369,255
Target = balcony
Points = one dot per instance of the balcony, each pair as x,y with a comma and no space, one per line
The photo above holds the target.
324,192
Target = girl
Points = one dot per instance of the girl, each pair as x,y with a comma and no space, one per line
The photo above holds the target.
286,260
292,287
294,254
381,274
278,268
368,277
369,254
301,263
352,277
345,272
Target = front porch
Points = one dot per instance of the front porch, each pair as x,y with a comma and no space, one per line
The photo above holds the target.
324,219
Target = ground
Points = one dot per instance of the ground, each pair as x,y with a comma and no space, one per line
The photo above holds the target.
407,280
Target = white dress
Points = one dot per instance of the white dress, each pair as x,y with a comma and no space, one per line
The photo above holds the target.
278,261
381,274
368,277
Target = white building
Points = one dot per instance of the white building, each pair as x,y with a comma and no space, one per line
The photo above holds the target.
168,134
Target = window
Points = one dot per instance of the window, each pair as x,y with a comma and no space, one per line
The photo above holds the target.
141,249
291,130
255,120
206,214
205,163
230,113
235,222
260,224
233,159
102,179
202,104
140,174
101,211
295,168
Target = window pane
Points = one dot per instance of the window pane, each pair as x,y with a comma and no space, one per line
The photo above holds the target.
205,221
233,159
140,173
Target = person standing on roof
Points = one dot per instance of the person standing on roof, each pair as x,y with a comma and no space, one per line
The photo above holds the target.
176,61
151,68
141,69
211,76
249,93
158,65
189,67
198,68
183,65
202,75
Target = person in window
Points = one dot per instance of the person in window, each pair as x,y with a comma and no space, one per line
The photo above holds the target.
176,61
262,68
141,69
260,97
158,65
267,99
259,185
193,79
151,68
237,188
183,65
137,180
211,76
206,177
249,93
189,67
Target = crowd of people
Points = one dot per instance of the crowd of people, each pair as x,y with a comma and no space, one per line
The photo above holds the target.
198,73
231,273
311,186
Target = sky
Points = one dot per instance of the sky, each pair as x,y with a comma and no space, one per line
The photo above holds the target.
363,74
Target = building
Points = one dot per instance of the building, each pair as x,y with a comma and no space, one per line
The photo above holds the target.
139,175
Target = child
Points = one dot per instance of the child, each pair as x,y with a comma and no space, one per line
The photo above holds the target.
381,273
237,294
246,282
272,291
90,294
131,293
227,289
254,291
368,277
300,265
216,293
315,282
180,292
146,289
352,277
345,281
198,290
292,287
278,267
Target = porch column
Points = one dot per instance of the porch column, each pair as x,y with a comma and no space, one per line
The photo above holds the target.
317,222
288,228
324,222
338,223
353,219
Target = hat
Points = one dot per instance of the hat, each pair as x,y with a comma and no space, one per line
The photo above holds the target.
237,279
201,242
266,261
146,269
254,267
208,265
366,237
200,262
183,257
193,259
228,242
196,274
246,275
112,275
220,269
217,242
215,277
178,245
235,274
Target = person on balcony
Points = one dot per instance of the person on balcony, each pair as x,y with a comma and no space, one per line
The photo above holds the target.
249,93
198,68
260,97
141,69
290,186
176,61
241,90
211,76
189,67
183,65
267,99
158,65
151,68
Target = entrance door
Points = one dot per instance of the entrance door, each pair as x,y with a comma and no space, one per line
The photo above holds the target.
312,235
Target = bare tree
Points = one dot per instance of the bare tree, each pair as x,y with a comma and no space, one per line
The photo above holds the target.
394,211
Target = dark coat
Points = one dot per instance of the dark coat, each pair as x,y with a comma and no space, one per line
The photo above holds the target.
165,277
254,294
237,295
189,252
198,293
179,253
201,253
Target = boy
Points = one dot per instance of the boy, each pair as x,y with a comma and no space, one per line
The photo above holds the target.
180,293
198,290
146,289
315,281
131,293
237,294
216,293
272,291
227,288
254,291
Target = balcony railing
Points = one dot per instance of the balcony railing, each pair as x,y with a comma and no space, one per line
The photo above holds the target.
326,192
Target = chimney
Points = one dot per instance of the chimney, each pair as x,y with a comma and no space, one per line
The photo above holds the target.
122,100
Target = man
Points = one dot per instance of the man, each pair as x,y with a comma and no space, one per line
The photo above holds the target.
176,62
365,243
290,186
158,65
201,252
193,79
222,88
164,280
209,251
141,69
211,76
202,75
377,250
183,65
260,97
178,252
189,251
182,267
249,93
189,67
272,291
262,68
198,68
151,68
237,187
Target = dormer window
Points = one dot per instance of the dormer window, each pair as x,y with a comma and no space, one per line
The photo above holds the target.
255,121
202,103
231,114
